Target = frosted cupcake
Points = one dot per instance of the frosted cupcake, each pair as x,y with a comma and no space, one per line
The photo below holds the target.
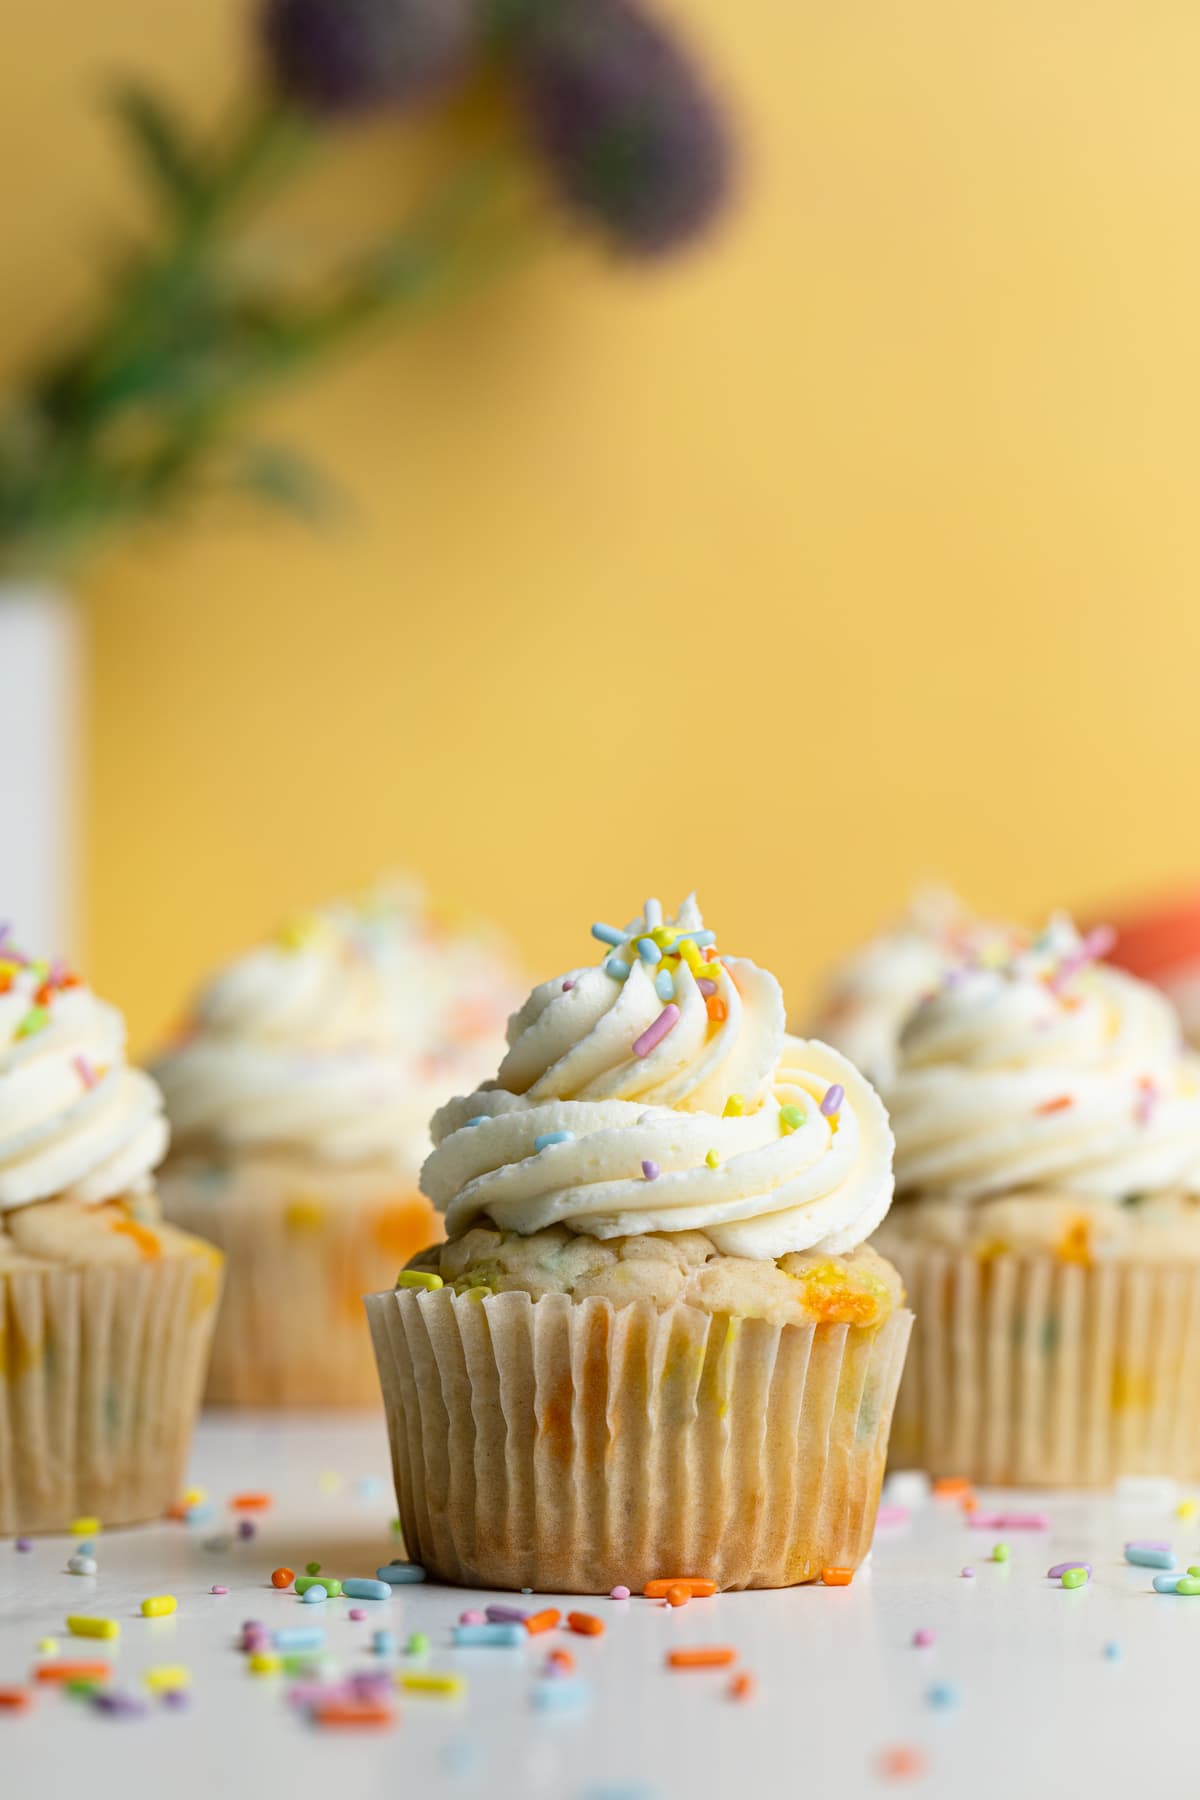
105,1313
299,1102
1047,1126
654,1342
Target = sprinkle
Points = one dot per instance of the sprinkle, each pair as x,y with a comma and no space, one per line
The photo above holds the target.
649,951
1187,1509
314,1595
1187,1584
312,1568
282,1578
120,1706
943,1696
35,1020
82,1565
357,1613
419,1278
249,1502
655,1032
1001,1553
742,1686
559,1662
664,985
479,1119
923,1637
357,1587
1112,1651
354,1713
427,1682
165,1677
85,1527
950,1487
247,1529
417,1645
1009,1521
698,938
567,986
506,1615
650,1170
833,1099
299,1637
158,1606
892,1515
383,1642
218,1590
901,1763
1144,1556
968,1574
620,1592
677,1594
332,1586
545,1620
713,1160
617,967
15,1699
1061,1568
1078,1576
717,1010
79,1626
711,1656
472,1616
707,986
264,1662
85,1071
1147,1544
1166,1584
1060,1103
559,1695
23,1544
544,1141
652,914
586,1624
400,1573
607,934
734,1107
837,1577
790,1119
496,1636
47,1646
73,1671
700,1587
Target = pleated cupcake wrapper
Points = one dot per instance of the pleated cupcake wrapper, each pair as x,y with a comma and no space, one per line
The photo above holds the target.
570,1446
1027,1370
101,1371
304,1244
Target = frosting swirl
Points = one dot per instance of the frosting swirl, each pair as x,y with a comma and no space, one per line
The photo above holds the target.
660,1092
1045,1070
338,1036
76,1121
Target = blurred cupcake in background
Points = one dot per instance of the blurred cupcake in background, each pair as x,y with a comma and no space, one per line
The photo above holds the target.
1047,1227
869,996
1162,944
299,1100
105,1313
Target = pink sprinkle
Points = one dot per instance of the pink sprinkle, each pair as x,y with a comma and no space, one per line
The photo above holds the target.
1147,1544
893,1515
218,1590
1009,1521
650,1170
1096,944
969,1574
473,1617
654,1034
619,1593
85,1071
1147,1099
357,1613
567,986
925,1636
833,1099
706,986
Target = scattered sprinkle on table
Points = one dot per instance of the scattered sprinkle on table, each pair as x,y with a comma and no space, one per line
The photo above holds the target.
703,1656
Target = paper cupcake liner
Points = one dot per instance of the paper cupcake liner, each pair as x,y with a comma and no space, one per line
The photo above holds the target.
305,1242
101,1370
1030,1371
570,1446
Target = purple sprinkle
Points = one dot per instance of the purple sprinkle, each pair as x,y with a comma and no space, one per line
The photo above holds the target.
706,986
472,1617
1147,1544
218,1590
365,1684
253,1625
650,1171
969,1574
23,1544
122,1706
925,1635
177,1698
657,1030
506,1615
833,1099
85,1071
620,1592
247,1528
357,1613
1060,1569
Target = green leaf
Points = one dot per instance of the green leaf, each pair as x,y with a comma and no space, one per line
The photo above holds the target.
160,145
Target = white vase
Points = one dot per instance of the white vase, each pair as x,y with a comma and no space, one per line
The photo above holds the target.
40,693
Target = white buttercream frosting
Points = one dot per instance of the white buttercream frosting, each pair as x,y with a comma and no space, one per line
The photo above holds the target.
339,1036
1045,1070
714,1124
76,1122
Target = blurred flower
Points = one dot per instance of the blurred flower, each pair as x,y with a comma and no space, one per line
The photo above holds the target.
343,55
624,122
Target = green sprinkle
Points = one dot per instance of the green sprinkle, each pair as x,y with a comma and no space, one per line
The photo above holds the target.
1073,1578
1187,1584
397,1526
790,1118
1001,1553
313,1568
418,1278
304,1582
1194,1568
34,1020
417,1644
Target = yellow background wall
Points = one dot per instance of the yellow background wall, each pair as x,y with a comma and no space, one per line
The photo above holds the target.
859,547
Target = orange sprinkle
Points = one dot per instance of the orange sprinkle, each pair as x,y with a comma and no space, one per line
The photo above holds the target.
949,1487
969,1503
142,1236
543,1621
282,1578
44,994
742,1687
716,1009
355,1712
837,1577
587,1624
712,1656
561,1659
678,1594
250,1502
1059,1103
73,1671
15,1699
901,1763
698,1586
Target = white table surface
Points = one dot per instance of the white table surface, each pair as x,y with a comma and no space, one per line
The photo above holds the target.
1040,1709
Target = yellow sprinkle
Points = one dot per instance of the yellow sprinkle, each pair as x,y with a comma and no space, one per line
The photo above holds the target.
1187,1509
195,1496
264,1662
712,1159
329,1481
158,1606
664,935
97,1628
418,1278
735,1106
85,1527
431,1684
166,1677
691,956
47,1646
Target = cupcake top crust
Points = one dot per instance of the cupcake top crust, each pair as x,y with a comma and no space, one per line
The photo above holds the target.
76,1122
659,1092
1041,1067
338,1037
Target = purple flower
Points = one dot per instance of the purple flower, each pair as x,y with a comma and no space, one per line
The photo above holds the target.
347,55
624,122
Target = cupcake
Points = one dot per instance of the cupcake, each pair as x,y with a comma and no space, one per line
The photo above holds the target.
1047,1123
868,998
299,1101
654,1341
105,1312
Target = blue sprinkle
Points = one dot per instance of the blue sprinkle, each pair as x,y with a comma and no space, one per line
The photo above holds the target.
618,968
313,1596
943,1696
608,934
559,1694
1149,1559
1165,1584
399,1572
383,1643
553,1137
88,1549
700,938
664,984
479,1119
196,1515
648,950
358,1587
491,1634
367,1486
299,1637
1112,1652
